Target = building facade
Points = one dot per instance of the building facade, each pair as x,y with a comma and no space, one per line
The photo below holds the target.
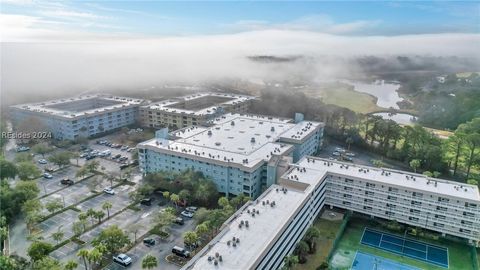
447,207
192,110
241,153
82,116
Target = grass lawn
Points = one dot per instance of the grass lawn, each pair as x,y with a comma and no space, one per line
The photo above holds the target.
459,253
328,229
343,95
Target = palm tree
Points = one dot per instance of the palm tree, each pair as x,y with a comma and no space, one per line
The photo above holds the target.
175,199
95,256
71,265
290,262
149,262
310,236
415,164
107,206
84,254
301,249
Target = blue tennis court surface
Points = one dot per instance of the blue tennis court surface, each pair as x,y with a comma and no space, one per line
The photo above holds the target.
406,247
366,261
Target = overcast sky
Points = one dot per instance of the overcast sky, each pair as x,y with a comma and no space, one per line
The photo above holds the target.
82,45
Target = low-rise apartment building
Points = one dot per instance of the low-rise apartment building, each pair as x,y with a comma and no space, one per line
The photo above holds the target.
268,228
82,116
192,110
241,153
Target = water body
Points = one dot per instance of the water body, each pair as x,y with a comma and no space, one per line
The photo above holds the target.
400,118
385,92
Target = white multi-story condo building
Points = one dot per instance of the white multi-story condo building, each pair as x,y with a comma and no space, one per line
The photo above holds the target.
192,110
264,231
241,153
82,116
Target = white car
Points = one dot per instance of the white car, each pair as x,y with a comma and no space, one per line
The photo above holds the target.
42,161
336,153
191,209
187,214
47,176
109,191
122,259
350,154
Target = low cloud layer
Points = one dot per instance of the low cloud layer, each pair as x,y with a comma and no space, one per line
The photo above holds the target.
108,63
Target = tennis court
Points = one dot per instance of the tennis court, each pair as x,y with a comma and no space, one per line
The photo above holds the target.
367,261
406,247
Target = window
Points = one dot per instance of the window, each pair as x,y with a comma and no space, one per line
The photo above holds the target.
389,205
347,180
466,222
440,216
416,203
370,185
346,203
440,225
368,200
417,194
413,218
440,199
441,208
370,193
392,198
415,211
347,188
391,189
388,213
465,231
367,208
468,214
347,195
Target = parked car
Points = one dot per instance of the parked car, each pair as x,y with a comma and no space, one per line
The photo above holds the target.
47,176
187,214
179,221
49,169
66,181
192,209
347,159
336,153
22,148
122,158
109,191
350,154
83,155
149,242
131,149
179,251
146,201
123,148
42,161
88,157
116,156
122,259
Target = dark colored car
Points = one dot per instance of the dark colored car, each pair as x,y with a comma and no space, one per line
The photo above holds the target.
90,157
49,169
116,156
149,242
67,181
179,251
146,201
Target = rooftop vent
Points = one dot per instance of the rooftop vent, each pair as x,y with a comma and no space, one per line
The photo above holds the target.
252,140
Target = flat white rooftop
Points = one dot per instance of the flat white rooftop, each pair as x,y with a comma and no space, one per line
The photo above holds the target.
235,138
254,240
316,168
218,100
79,106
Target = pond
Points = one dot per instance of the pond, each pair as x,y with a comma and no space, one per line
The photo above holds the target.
385,92
400,118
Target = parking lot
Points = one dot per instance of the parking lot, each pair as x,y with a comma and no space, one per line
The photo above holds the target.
62,221
160,250
48,186
119,201
79,191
